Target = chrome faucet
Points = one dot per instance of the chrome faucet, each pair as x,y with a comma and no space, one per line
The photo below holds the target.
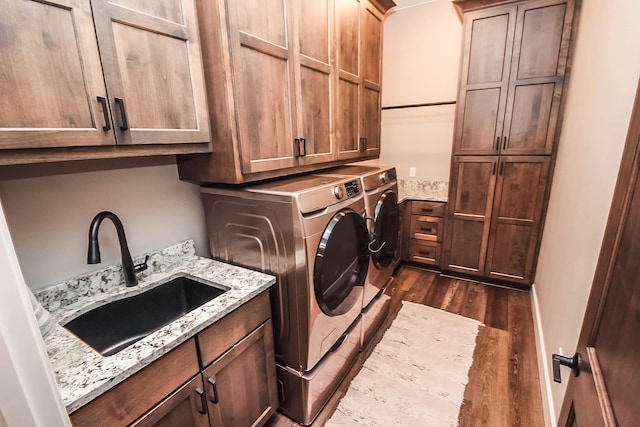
93,256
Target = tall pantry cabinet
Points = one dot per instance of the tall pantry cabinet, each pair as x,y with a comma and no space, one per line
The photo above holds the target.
512,78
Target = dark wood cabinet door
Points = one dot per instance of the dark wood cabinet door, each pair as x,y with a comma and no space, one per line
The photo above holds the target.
152,65
515,223
314,94
370,120
348,81
469,207
263,69
51,76
371,73
540,52
187,407
484,80
241,384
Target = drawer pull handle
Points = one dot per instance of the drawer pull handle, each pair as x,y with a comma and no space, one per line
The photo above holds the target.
203,401
423,253
427,209
214,389
427,230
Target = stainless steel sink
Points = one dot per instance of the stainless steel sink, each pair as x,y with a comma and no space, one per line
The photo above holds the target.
118,324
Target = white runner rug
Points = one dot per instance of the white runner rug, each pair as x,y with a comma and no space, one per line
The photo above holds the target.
415,376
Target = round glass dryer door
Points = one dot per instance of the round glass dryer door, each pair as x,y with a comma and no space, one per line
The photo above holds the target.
341,263
386,230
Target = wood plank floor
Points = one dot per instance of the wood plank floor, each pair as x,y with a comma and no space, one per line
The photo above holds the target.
503,388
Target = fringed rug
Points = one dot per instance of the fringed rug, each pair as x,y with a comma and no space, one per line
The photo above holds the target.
416,375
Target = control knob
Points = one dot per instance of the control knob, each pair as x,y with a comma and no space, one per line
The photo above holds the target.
338,192
383,177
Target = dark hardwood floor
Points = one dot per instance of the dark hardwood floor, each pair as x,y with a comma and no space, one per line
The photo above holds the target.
503,388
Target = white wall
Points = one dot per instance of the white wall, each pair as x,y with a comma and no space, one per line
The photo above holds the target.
49,208
600,97
420,65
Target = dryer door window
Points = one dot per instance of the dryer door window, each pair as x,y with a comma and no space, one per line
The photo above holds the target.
386,230
341,263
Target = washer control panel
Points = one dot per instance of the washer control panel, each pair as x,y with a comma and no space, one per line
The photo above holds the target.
352,188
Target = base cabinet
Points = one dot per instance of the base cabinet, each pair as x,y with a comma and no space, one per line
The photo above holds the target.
495,216
227,379
186,407
423,227
241,385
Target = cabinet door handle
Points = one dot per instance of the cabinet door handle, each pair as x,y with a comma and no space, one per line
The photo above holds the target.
107,123
303,143
497,142
123,114
363,144
203,401
296,141
504,142
501,168
214,391
493,169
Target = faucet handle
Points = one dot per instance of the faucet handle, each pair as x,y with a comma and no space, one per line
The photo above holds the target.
142,266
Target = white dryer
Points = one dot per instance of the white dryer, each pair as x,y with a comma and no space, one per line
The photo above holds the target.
310,233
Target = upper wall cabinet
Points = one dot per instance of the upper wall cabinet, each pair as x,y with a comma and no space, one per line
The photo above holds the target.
359,78
81,73
285,87
512,75
282,82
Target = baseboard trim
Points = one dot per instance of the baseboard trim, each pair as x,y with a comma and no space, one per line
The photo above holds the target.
543,363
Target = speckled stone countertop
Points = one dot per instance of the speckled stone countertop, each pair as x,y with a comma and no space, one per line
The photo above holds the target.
411,189
83,374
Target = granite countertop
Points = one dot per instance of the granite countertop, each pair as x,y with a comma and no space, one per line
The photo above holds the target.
412,189
81,373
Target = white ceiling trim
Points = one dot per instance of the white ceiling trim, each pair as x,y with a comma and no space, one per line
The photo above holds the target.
409,6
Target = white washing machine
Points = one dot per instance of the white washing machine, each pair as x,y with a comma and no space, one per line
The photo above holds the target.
381,200
310,233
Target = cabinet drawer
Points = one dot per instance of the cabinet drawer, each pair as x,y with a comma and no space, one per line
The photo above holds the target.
426,228
222,335
133,397
424,252
427,208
